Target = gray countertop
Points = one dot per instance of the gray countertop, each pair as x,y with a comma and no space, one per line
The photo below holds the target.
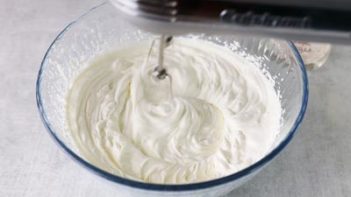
316,163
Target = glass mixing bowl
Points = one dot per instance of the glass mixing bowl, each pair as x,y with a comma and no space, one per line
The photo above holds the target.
101,29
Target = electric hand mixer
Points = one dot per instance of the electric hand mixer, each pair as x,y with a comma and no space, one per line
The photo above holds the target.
306,20
312,20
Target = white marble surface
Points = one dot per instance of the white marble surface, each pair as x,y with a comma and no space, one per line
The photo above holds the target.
316,163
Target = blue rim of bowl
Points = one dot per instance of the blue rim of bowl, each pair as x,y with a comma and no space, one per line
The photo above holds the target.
171,187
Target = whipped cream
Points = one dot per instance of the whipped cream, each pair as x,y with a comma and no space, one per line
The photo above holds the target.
214,116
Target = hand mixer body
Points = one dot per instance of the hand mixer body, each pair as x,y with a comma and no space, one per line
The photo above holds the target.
312,20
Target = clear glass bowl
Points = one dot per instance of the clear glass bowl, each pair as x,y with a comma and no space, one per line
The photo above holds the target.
102,29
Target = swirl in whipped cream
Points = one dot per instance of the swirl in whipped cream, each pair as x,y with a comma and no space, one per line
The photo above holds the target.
220,115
